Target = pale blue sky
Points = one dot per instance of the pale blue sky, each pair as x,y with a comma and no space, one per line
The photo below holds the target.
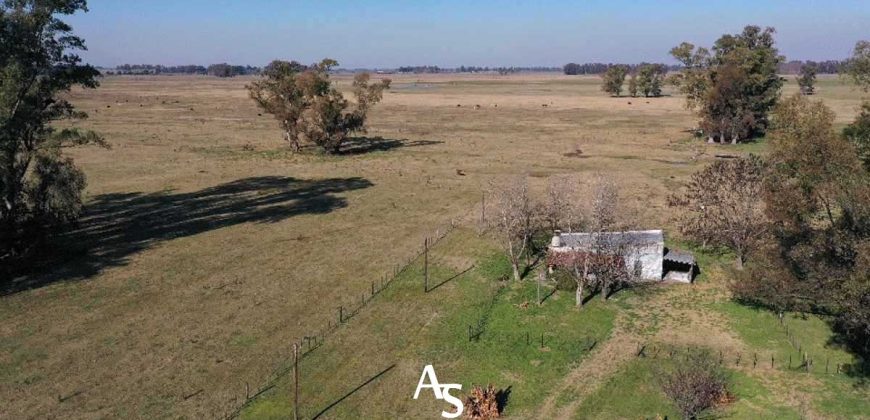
389,33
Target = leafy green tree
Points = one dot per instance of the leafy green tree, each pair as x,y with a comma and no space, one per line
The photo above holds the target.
650,78
309,108
858,132
750,61
40,186
857,68
632,85
807,79
817,200
613,79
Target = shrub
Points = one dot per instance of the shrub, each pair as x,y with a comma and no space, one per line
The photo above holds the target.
697,385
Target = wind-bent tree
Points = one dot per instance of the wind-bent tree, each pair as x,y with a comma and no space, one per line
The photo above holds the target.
613,79
733,90
309,108
807,79
650,78
722,206
40,187
514,220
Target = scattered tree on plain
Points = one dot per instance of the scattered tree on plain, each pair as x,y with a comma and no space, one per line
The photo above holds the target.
734,89
807,79
722,206
309,108
650,78
613,79
41,187
632,85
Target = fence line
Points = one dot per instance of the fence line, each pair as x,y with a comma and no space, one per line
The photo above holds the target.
309,343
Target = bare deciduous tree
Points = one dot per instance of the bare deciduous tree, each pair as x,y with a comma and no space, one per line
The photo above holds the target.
514,218
723,206
600,258
560,209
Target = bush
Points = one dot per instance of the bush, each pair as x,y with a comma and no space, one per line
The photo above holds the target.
564,281
697,385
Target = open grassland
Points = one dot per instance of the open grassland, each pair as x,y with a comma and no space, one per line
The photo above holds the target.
207,249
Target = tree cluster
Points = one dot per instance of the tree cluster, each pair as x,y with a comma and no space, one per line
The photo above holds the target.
40,187
573,69
308,106
801,217
733,88
128,69
229,70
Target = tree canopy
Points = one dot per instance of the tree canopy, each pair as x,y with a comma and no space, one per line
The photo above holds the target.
40,187
734,88
613,79
309,108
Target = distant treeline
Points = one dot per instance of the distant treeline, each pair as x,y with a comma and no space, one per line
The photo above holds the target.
791,67
822,67
219,70
600,68
475,69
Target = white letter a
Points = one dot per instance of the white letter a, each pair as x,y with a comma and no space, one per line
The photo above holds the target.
433,383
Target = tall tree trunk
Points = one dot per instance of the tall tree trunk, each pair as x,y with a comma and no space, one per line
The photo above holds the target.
516,268
578,295
738,262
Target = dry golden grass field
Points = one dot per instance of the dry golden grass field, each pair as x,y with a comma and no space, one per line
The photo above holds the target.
207,248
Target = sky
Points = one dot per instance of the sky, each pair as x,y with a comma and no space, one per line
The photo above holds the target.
450,33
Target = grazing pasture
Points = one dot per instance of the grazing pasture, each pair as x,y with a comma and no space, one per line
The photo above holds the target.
207,249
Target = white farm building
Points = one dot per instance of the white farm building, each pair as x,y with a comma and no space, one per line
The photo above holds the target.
644,251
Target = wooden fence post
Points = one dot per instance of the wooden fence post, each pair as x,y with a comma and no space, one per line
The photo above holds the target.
426,265
295,382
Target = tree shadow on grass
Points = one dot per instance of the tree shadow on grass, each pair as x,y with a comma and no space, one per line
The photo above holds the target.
362,145
116,226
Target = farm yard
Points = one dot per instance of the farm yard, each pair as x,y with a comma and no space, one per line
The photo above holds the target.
207,249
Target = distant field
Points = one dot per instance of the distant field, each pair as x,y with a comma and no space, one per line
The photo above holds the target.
207,249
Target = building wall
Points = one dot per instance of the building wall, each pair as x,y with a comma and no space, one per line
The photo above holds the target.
651,261
649,257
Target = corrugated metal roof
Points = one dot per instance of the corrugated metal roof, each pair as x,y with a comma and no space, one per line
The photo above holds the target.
681,257
633,237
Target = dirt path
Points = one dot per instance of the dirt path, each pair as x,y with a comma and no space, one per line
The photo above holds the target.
670,313
583,380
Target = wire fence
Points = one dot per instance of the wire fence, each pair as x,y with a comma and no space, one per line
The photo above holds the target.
345,312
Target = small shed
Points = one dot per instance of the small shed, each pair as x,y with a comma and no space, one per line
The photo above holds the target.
679,266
